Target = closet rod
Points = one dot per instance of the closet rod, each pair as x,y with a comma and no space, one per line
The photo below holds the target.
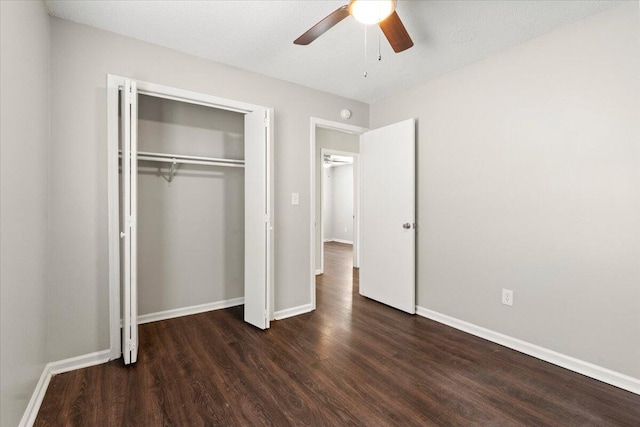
189,161
192,160
180,156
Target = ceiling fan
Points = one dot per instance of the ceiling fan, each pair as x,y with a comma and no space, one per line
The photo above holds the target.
368,12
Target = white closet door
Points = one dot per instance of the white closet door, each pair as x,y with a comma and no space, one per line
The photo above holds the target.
257,231
129,112
387,227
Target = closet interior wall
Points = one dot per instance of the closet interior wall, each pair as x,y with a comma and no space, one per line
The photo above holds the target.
190,230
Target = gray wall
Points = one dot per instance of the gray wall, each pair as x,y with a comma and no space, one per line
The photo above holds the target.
340,211
24,153
528,180
190,231
333,140
81,58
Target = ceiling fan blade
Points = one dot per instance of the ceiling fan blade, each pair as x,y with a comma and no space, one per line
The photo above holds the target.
323,26
394,31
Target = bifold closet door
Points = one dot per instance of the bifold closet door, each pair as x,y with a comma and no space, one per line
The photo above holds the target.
129,120
257,231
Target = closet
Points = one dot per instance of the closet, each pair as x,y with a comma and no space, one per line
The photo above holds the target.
190,207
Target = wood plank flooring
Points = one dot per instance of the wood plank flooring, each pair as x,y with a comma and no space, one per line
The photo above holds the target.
351,362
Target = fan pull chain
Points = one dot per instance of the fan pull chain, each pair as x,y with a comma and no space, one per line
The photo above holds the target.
365,51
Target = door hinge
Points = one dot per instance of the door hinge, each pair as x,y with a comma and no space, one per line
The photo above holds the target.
130,222
131,346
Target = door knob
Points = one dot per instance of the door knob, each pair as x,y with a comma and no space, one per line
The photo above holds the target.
406,225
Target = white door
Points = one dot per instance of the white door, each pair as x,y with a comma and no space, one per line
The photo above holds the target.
257,229
387,227
129,112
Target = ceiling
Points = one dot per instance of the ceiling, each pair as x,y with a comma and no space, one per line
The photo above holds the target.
258,36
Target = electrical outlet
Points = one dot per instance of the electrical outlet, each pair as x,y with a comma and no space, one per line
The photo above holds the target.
295,199
507,296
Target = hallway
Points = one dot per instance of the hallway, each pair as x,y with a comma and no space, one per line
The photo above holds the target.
338,285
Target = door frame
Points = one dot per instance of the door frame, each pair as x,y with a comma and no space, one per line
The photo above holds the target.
356,211
113,85
316,123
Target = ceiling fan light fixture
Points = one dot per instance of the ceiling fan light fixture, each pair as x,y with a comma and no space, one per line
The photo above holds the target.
371,12
368,12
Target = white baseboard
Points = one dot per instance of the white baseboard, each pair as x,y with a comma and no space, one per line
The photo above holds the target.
54,368
605,375
293,311
31,412
186,311
348,242
319,271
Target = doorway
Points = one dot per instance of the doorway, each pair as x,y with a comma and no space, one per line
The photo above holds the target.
334,142
385,211
338,198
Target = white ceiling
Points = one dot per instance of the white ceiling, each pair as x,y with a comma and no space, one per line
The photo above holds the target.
258,36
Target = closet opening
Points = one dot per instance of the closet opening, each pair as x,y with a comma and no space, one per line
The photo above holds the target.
191,209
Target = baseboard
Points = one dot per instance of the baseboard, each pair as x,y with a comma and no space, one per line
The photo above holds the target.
54,368
186,311
293,311
319,271
31,412
348,242
599,373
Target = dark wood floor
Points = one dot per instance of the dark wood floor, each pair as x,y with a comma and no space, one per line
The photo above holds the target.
351,362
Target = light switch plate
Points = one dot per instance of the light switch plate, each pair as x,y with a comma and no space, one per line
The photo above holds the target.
507,296
295,199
